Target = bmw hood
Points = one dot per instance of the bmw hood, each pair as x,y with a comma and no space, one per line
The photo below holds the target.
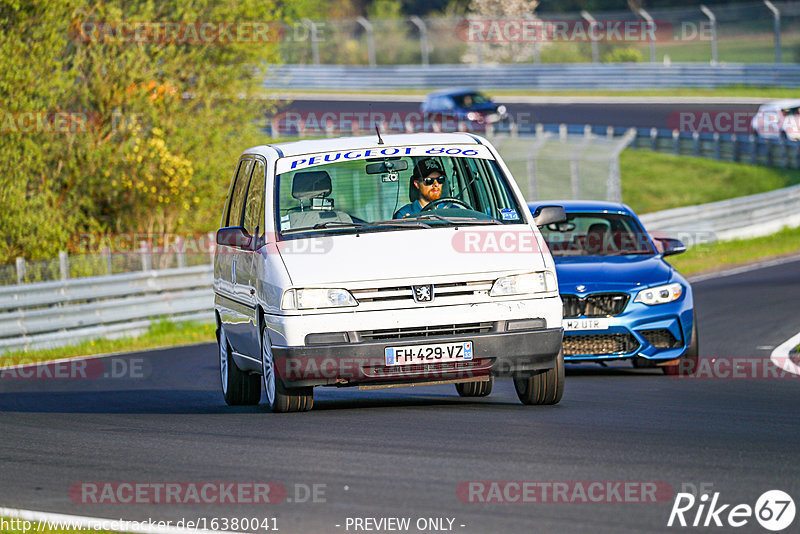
411,254
610,273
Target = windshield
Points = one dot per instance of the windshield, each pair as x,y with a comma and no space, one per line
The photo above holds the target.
399,192
596,234
469,100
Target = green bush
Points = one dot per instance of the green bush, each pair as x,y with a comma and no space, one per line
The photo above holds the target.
626,54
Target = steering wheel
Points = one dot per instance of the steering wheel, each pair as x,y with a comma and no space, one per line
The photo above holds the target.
432,205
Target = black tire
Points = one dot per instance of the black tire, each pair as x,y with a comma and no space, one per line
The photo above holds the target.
238,388
687,364
475,389
281,399
546,387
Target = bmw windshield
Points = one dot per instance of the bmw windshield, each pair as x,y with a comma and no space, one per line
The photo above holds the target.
596,234
393,188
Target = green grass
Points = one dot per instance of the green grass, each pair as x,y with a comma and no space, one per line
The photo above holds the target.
720,92
160,334
714,256
652,181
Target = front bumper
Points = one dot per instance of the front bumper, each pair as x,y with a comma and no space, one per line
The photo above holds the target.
657,333
495,353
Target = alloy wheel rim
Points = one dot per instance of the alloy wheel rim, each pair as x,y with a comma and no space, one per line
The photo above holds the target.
223,361
267,368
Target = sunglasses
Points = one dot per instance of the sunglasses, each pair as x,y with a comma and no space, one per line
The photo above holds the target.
429,181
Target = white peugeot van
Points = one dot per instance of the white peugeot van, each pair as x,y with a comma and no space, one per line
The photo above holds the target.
403,261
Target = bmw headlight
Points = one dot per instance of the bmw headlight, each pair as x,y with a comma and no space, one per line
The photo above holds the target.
659,294
521,284
309,299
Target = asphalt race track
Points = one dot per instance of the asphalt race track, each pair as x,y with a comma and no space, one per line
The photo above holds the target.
404,452
645,114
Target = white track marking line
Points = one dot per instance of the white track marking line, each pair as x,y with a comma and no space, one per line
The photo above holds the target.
780,356
98,523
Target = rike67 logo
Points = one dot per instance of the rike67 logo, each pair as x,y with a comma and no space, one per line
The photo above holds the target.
774,510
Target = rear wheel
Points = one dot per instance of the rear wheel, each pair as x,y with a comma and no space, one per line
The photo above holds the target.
687,364
544,388
238,388
475,389
279,397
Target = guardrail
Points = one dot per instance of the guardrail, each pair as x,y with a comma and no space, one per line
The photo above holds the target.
736,218
49,314
533,77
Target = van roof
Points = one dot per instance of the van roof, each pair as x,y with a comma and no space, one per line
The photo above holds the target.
313,146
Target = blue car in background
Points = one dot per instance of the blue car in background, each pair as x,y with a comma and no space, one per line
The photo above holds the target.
452,107
621,299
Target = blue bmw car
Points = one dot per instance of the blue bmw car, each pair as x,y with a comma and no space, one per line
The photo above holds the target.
622,300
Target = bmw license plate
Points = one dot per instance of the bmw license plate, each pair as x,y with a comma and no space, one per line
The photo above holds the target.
586,324
434,353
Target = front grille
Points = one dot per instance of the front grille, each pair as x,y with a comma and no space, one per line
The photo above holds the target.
426,331
404,293
599,344
595,305
661,338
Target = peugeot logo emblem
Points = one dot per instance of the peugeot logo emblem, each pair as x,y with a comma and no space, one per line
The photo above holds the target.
423,293
581,288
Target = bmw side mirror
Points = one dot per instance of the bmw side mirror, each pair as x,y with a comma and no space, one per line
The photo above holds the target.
549,215
670,246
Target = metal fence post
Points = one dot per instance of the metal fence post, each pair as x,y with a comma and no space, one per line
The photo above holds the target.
423,38
776,15
735,147
63,263
676,142
716,146
592,22
314,42
21,270
105,252
367,25
652,26
653,139
180,251
754,151
147,261
713,20
696,142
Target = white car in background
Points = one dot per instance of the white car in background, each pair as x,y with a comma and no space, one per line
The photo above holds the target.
778,120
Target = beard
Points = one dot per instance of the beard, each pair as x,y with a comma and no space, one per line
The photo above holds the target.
435,194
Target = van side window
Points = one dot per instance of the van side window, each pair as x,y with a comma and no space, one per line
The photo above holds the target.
254,208
235,212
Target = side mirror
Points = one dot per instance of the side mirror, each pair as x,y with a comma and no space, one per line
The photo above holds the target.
234,236
549,215
670,246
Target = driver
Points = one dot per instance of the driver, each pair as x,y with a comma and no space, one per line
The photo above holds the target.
426,184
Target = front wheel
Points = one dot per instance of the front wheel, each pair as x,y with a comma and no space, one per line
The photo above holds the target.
238,388
279,397
475,389
546,387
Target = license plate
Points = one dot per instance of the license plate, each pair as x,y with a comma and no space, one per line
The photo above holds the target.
434,353
586,324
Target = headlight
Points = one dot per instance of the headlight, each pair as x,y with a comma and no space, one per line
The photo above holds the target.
659,294
309,299
473,116
521,284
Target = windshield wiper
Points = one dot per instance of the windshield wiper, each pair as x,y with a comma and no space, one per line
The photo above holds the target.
329,224
457,221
